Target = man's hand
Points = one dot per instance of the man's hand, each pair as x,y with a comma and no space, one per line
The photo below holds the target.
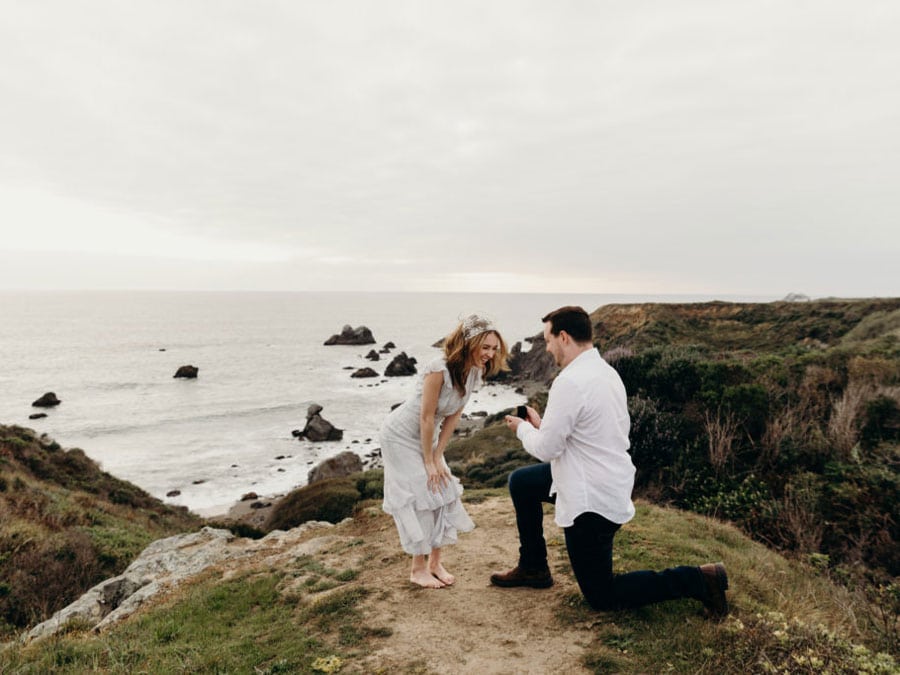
513,422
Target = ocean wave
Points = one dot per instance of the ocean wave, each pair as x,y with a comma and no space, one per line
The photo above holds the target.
195,418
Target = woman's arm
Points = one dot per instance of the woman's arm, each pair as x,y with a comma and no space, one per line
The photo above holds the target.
447,428
431,390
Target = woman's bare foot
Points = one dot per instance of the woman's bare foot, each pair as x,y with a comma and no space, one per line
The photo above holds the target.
441,574
425,579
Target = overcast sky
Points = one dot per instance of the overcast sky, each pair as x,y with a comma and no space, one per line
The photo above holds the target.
699,146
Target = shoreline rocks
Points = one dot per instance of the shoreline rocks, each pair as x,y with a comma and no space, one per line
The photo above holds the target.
187,372
352,336
340,465
535,365
48,400
317,428
401,366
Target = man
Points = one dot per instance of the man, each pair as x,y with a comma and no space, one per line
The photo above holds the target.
582,441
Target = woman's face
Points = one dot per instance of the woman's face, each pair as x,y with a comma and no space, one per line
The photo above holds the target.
487,350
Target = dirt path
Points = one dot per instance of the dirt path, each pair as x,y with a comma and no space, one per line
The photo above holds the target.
471,627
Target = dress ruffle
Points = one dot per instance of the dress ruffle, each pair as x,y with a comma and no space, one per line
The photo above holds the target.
427,520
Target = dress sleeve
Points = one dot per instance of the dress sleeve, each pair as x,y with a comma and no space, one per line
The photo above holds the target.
438,365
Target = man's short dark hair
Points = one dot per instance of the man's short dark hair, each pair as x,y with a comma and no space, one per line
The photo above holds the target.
574,320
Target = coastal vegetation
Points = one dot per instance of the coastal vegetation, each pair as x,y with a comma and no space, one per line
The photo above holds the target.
65,525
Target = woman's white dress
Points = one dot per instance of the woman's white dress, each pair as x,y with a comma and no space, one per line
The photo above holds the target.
425,519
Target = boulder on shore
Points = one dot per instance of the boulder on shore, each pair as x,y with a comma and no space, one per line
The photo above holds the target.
338,466
48,400
188,372
317,428
365,372
401,366
352,336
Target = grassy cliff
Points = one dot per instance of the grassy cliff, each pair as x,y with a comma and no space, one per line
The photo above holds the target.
65,525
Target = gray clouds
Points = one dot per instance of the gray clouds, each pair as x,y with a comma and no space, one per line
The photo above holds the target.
646,147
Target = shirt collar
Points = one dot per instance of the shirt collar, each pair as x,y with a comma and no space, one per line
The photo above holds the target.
584,357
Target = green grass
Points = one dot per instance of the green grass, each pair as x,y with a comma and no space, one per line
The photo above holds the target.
825,621
243,625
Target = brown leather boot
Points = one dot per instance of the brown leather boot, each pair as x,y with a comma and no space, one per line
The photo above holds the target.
519,577
716,580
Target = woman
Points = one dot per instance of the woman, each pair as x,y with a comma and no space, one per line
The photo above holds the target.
419,491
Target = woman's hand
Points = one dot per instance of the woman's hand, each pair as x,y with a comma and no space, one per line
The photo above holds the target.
438,476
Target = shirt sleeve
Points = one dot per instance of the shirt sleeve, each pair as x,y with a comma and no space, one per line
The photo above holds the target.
549,442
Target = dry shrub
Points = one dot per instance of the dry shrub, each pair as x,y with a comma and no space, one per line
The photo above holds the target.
847,411
779,428
47,574
800,519
721,432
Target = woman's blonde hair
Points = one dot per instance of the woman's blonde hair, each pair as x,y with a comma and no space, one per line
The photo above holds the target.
461,353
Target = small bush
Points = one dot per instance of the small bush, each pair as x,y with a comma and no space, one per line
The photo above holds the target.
370,484
332,500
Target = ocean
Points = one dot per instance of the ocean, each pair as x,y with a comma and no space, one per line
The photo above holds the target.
110,357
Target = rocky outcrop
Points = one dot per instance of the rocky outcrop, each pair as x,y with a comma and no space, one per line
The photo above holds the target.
401,366
796,297
187,372
535,365
167,562
48,400
352,336
317,428
365,372
340,465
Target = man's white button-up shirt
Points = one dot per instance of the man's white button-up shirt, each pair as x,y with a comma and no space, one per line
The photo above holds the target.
584,436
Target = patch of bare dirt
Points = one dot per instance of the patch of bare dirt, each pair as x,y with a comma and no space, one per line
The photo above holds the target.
471,627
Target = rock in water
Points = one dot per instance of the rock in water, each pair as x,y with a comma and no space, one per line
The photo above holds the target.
48,400
317,428
352,336
402,365
365,372
340,465
189,372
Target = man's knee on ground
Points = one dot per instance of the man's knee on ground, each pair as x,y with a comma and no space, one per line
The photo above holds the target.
602,603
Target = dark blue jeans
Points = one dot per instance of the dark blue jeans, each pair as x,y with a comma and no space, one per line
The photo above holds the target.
589,542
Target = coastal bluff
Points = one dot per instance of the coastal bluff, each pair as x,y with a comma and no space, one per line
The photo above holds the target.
800,383
338,594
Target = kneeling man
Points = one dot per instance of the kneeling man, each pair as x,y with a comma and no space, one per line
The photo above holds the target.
582,441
